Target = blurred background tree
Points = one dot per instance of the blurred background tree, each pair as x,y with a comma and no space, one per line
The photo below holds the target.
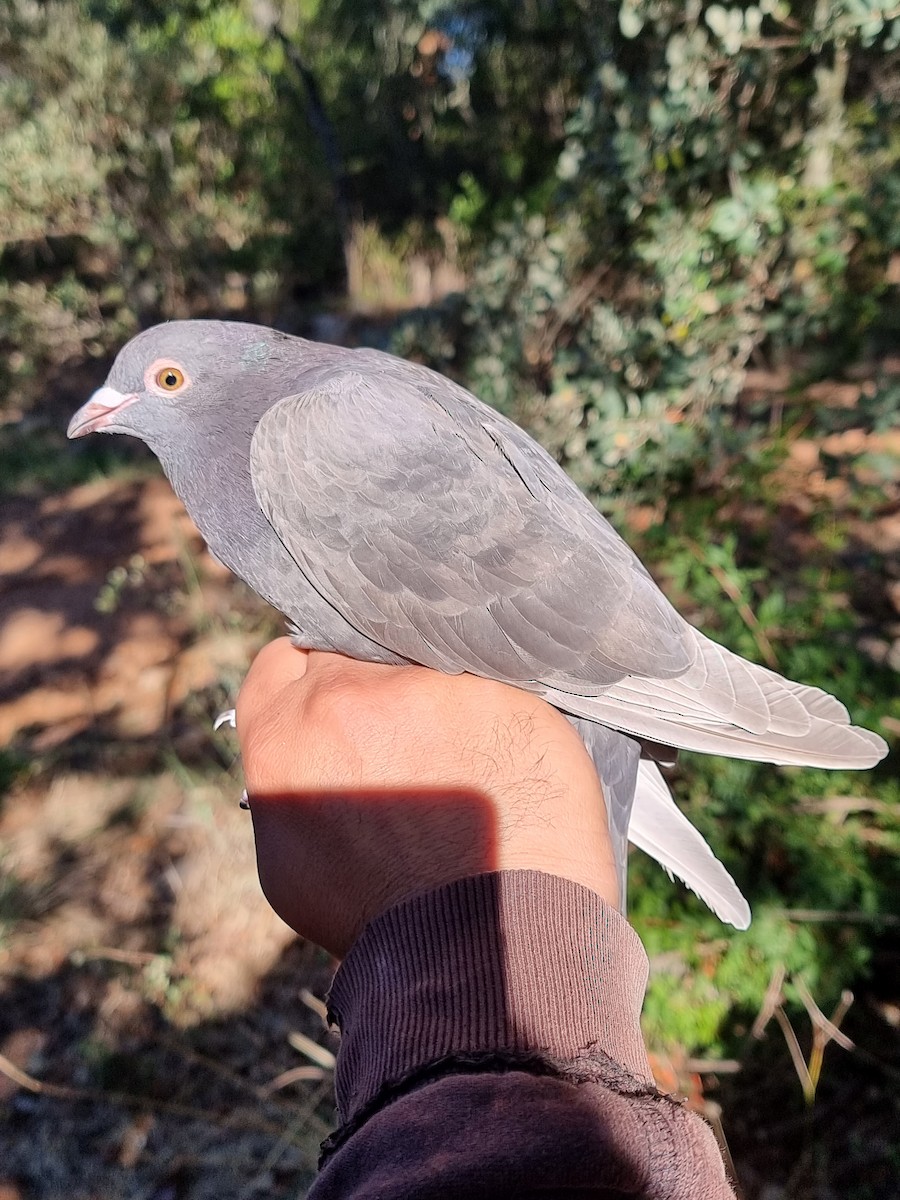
647,229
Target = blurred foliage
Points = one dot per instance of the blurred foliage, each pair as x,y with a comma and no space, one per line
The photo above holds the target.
727,188
649,197
808,847
142,175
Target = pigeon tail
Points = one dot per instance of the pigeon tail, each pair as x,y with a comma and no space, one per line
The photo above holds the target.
615,758
660,829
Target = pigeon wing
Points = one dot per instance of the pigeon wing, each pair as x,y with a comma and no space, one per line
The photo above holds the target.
415,515
440,530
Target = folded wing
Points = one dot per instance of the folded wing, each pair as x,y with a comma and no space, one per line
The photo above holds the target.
442,531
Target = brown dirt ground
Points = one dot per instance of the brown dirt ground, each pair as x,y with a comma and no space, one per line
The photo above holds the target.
141,970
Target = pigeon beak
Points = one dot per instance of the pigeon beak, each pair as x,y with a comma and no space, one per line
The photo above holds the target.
99,412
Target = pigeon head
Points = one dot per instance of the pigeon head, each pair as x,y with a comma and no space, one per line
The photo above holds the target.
180,377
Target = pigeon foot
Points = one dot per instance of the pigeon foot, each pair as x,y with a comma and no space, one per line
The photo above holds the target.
225,718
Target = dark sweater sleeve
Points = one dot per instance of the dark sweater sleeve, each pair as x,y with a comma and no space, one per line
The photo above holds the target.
491,1047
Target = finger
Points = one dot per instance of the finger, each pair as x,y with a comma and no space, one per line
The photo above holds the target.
277,665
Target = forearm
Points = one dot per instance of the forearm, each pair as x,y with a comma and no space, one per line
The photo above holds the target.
491,1046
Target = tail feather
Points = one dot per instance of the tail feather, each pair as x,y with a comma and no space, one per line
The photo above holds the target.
660,829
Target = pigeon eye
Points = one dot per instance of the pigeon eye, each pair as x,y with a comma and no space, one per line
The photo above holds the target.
170,379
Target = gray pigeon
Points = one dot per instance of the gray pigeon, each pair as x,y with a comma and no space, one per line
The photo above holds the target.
393,517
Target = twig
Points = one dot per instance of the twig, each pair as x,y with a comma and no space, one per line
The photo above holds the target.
785,42
712,1066
315,1004
296,1075
57,1091
824,915
820,1022
576,301
842,806
214,1066
824,1031
771,1001
320,1055
132,958
809,1088
713,1114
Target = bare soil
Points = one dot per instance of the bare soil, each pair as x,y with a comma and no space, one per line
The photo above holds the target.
143,979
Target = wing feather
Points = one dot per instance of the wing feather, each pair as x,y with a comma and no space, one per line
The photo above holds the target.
441,531
420,529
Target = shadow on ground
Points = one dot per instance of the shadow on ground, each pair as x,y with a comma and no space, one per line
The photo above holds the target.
149,988
114,619
144,1108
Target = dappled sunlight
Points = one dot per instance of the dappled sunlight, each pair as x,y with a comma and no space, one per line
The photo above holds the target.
114,614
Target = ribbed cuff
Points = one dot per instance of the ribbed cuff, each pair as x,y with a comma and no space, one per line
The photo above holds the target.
515,962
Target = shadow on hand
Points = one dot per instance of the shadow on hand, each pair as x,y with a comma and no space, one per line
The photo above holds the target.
331,861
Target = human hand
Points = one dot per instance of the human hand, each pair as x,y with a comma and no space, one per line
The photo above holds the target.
368,783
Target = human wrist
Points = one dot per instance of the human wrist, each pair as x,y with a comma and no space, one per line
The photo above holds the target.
519,966
575,854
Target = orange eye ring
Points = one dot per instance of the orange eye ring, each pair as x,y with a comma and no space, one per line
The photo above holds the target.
170,379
